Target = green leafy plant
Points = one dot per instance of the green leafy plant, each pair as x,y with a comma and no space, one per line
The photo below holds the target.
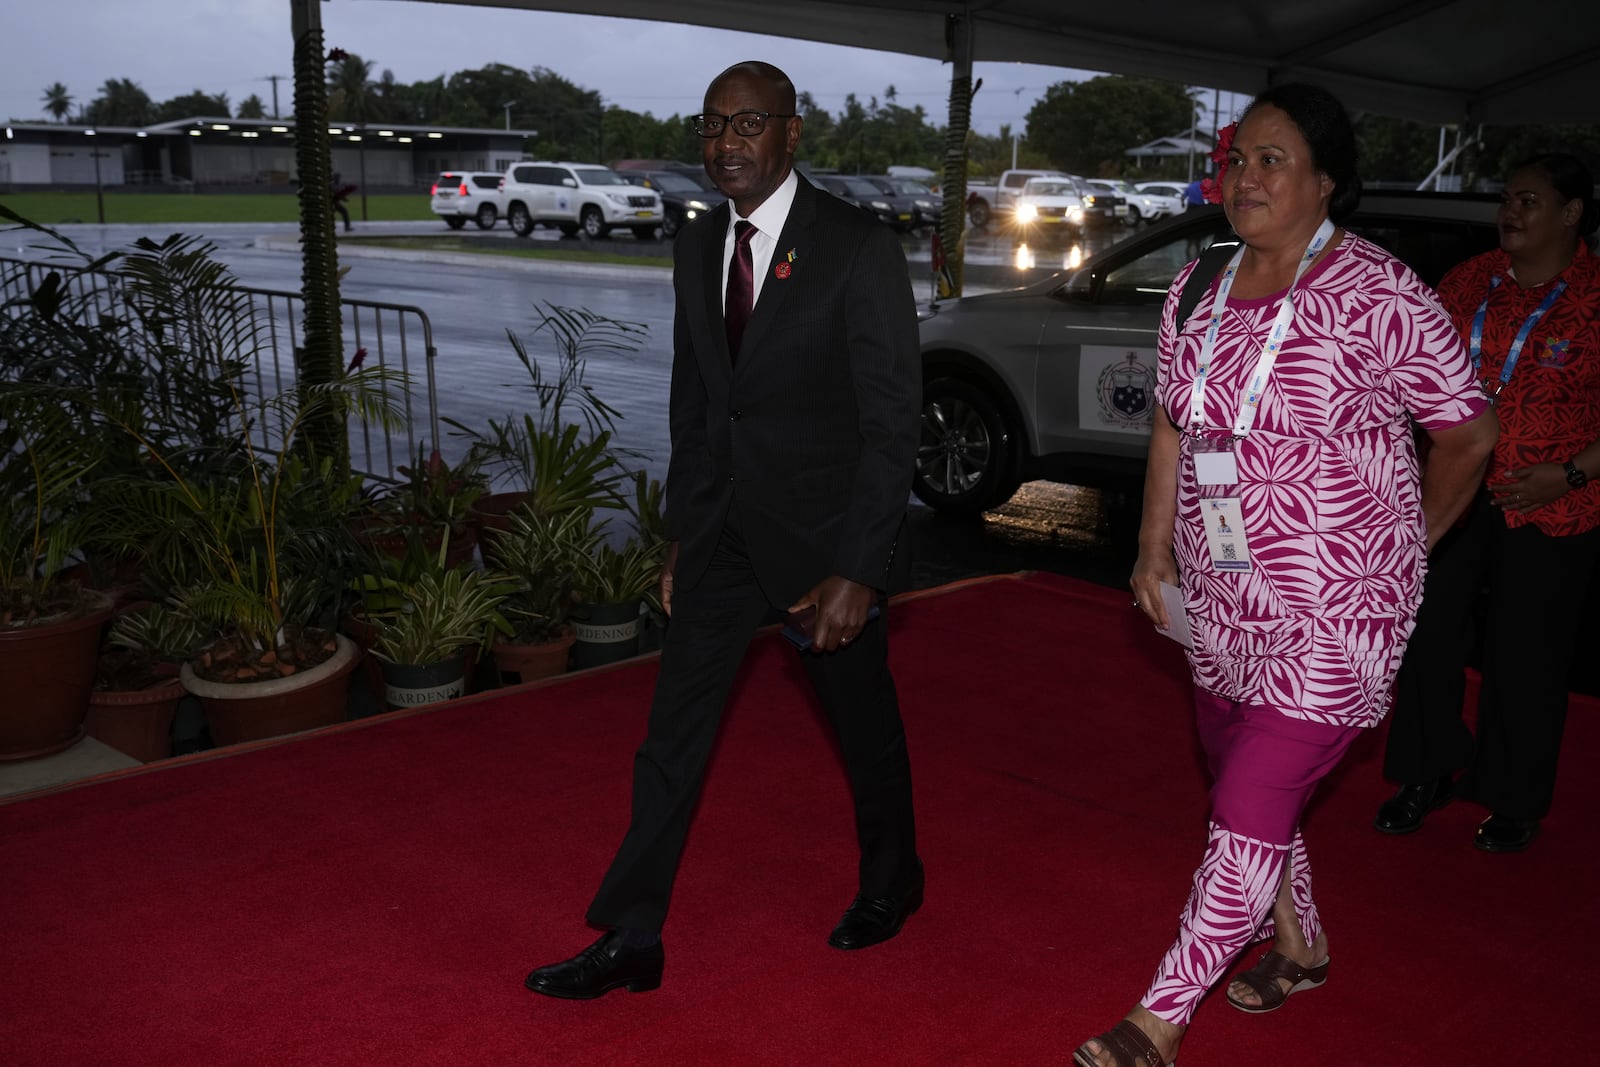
541,553
43,517
439,615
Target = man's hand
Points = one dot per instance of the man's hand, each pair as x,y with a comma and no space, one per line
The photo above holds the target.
664,580
842,607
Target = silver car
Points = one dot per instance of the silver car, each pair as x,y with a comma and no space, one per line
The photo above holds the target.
1057,379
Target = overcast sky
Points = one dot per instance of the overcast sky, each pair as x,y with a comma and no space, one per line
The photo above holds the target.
171,47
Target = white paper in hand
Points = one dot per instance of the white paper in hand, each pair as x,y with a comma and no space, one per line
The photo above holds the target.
1178,630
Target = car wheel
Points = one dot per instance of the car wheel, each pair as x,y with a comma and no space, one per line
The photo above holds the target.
670,225
965,453
455,222
644,233
520,221
978,213
486,216
594,226
1134,215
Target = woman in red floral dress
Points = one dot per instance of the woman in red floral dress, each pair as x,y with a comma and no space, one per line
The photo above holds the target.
1530,312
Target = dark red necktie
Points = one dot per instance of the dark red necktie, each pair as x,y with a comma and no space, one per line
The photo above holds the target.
741,286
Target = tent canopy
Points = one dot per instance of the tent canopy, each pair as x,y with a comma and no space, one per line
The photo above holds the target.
1503,62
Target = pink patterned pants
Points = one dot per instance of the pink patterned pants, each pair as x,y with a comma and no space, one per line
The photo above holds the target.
1264,767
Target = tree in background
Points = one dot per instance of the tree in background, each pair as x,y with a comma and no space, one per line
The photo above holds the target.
121,103
352,94
57,101
192,105
1086,127
251,107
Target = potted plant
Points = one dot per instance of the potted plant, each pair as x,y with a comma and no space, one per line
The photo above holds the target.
432,505
423,641
540,555
559,454
49,626
617,586
136,685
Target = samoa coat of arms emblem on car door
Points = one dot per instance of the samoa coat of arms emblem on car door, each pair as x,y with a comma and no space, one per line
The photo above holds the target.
1127,388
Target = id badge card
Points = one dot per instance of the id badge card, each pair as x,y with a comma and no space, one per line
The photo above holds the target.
1214,461
1225,533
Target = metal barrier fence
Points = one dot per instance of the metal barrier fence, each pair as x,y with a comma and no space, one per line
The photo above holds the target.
395,337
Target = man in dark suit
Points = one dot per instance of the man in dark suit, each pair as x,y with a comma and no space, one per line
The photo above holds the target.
796,384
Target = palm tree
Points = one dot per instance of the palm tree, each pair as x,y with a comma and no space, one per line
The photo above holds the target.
58,101
352,94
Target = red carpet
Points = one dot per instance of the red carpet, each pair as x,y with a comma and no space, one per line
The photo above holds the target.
375,894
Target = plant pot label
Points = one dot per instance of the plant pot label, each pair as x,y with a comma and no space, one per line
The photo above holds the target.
409,697
610,633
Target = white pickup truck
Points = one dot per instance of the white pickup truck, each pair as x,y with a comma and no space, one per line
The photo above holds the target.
986,202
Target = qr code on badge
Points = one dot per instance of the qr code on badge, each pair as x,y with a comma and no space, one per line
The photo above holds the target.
1229,552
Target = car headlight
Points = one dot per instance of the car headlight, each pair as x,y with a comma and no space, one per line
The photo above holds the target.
1027,212
879,205
697,205
1075,213
925,204
1088,201
620,199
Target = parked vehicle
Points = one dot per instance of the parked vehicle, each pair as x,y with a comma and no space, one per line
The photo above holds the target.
682,198
1057,379
989,202
863,194
1173,189
1143,206
915,205
577,196
459,195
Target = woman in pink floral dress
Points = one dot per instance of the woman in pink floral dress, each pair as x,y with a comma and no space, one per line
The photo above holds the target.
1283,497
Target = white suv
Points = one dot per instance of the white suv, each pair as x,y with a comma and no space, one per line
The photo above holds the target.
574,196
459,195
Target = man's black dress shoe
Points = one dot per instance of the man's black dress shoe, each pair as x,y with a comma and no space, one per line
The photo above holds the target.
869,921
597,970
1499,833
1404,812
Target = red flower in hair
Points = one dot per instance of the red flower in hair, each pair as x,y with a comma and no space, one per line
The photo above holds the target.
1211,188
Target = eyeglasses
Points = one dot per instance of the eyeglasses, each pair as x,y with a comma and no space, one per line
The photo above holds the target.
743,123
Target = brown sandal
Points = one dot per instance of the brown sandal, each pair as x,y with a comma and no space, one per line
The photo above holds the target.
1263,978
1127,1044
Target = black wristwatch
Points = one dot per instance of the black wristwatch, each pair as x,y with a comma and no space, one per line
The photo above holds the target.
1575,477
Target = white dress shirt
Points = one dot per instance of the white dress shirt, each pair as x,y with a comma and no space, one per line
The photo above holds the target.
768,219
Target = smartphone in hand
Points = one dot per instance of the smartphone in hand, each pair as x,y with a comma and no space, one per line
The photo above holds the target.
798,629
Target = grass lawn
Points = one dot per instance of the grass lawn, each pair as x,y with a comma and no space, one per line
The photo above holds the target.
54,208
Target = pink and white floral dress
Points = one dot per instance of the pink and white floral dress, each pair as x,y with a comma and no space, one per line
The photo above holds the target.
1328,483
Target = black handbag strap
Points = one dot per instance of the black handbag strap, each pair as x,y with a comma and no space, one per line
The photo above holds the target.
1206,268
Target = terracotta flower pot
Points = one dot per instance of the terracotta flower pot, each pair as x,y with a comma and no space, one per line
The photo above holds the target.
250,711
136,722
46,672
528,661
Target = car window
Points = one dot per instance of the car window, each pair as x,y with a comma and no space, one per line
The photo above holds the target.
1146,279
597,176
1039,188
862,187
674,183
1428,246
487,181
909,187
527,175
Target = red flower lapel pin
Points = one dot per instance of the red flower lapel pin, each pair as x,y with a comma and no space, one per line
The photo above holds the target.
783,268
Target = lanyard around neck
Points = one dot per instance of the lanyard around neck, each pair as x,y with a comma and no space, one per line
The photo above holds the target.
1476,346
1269,350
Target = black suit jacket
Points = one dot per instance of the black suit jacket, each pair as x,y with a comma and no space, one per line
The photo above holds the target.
809,432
